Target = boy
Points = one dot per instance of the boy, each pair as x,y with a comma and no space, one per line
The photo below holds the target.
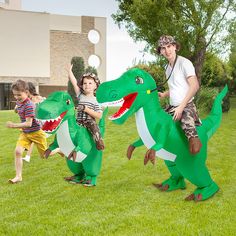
88,109
31,132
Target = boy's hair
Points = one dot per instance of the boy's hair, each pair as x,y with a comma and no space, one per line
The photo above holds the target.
32,89
20,86
88,76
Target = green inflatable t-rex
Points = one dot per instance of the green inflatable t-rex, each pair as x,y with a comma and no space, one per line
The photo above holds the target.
160,134
58,114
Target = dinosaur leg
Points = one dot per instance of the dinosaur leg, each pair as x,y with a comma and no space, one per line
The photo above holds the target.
176,181
194,169
92,166
78,171
206,187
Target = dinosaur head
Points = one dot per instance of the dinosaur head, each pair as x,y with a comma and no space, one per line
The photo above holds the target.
53,111
133,88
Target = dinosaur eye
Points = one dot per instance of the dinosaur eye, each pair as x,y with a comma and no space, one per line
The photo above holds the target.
68,102
139,80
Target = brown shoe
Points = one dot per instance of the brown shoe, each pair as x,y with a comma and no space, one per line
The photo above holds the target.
100,144
194,145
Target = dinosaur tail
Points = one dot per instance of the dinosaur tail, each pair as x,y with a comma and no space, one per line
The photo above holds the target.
212,122
102,121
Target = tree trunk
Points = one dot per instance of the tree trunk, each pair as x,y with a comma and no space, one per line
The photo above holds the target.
199,57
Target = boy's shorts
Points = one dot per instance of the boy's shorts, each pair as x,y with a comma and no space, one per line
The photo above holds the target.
37,137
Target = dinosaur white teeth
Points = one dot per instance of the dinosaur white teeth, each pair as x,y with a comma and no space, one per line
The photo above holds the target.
107,104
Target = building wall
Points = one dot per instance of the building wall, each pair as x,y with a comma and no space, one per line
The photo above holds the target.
24,44
36,47
11,4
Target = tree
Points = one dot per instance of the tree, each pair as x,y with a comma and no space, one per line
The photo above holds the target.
91,69
78,70
232,57
195,24
215,73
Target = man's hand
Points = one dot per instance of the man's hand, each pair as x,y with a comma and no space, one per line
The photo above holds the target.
177,112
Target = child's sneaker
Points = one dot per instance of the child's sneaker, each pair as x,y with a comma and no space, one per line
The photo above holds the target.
26,158
100,144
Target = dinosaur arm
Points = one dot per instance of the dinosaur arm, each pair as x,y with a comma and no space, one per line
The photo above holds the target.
131,147
51,147
54,144
161,138
137,143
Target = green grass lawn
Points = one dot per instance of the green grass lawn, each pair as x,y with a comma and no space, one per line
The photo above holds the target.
124,202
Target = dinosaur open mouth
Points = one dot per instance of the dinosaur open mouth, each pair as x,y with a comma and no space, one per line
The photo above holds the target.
128,101
51,124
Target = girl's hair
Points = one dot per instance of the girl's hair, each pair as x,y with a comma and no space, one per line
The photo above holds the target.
88,76
32,89
20,86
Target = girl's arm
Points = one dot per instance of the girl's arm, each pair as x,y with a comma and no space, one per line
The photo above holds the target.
73,79
26,124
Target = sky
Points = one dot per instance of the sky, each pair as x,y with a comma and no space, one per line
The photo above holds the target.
121,49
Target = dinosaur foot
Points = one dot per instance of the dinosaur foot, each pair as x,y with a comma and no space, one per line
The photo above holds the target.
171,184
201,194
70,178
75,179
90,181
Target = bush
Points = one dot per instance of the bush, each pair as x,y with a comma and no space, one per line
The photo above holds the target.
206,96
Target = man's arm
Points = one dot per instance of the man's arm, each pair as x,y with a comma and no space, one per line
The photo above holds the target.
193,88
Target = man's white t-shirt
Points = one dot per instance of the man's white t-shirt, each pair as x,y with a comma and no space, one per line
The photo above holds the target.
178,85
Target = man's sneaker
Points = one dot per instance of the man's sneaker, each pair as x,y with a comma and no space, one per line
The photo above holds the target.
26,158
100,144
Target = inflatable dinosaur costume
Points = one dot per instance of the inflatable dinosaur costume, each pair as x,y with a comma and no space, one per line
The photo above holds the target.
58,114
160,134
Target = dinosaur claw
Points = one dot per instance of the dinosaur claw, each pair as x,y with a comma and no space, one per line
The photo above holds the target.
157,185
190,197
150,156
164,187
198,197
130,151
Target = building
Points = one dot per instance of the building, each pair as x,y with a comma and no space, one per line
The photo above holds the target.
36,47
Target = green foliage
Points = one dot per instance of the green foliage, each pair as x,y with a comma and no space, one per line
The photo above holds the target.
78,70
205,98
124,202
157,72
215,72
91,69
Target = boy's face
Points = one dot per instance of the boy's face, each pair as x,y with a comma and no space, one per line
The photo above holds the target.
89,86
19,95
